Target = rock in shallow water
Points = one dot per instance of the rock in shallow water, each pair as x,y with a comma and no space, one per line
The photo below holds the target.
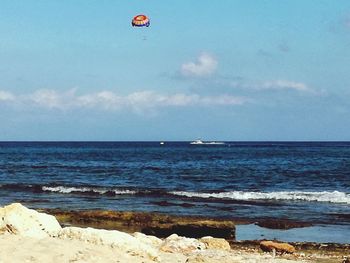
17,219
155,224
194,230
282,224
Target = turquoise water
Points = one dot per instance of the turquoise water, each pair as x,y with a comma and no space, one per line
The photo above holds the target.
318,233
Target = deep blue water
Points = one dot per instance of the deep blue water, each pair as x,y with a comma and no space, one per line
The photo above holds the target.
308,181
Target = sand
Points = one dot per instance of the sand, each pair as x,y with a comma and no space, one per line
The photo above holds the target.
20,249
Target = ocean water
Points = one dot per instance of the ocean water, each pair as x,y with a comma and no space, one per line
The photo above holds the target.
304,181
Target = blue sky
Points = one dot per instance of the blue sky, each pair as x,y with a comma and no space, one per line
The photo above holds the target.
216,70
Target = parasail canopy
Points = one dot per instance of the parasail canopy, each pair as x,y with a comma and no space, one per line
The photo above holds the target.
140,21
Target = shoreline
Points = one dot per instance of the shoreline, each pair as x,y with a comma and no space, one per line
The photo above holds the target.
37,232
235,230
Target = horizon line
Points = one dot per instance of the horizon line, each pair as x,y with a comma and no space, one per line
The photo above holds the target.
109,141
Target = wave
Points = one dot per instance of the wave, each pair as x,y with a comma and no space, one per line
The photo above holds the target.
325,196
241,196
102,191
64,189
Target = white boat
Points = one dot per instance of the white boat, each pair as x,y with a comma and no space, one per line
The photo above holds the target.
161,143
200,142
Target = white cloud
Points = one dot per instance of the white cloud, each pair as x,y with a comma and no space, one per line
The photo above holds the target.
274,86
110,101
6,96
285,85
106,100
224,100
205,65
50,99
148,99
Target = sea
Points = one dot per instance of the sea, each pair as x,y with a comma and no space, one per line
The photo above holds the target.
301,181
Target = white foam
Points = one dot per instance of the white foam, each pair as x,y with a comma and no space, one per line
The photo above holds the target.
124,192
325,196
67,190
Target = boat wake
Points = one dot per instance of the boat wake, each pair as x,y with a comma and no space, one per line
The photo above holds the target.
199,142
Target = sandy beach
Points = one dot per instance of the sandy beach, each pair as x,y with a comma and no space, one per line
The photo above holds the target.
16,248
58,250
30,236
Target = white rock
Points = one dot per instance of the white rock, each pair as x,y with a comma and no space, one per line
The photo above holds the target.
17,219
149,240
114,238
177,244
215,243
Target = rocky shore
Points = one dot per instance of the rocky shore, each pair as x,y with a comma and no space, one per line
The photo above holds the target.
156,224
30,236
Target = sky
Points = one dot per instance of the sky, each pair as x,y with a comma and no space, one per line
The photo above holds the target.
231,70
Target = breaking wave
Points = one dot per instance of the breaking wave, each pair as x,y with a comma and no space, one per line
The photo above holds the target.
306,196
102,191
325,196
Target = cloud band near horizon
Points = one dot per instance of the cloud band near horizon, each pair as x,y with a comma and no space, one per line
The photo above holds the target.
111,101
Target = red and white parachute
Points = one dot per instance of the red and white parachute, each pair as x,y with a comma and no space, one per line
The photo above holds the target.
140,21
